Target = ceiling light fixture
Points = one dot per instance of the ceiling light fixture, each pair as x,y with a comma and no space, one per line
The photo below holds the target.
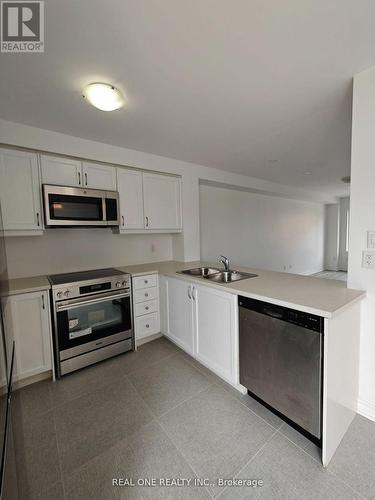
103,96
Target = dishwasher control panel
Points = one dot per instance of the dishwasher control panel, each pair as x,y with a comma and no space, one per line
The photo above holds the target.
306,320
299,318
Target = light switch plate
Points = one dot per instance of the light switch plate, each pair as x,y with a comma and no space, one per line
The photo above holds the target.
368,260
370,239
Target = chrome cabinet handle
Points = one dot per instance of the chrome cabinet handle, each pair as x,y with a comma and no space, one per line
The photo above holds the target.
79,178
43,304
189,292
146,294
146,281
122,220
146,221
37,219
147,308
193,293
147,326
86,178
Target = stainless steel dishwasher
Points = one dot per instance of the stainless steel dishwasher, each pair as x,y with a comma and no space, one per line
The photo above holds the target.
281,362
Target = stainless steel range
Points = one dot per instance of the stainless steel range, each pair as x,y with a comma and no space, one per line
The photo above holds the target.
92,316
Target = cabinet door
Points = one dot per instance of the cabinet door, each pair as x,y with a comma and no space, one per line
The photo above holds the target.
28,317
129,184
216,340
163,301
61,171
98,176
162,201
180,314
20,190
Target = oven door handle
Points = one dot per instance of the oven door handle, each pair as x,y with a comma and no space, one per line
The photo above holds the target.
74,305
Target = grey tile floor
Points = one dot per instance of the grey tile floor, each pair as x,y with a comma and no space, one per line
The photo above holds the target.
157,413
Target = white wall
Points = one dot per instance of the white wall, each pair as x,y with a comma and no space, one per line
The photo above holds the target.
343,253
331,247
60,251
261,231
362,218
186,246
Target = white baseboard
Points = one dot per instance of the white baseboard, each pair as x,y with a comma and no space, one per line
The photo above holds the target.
150,338
309,273
23,382
366,409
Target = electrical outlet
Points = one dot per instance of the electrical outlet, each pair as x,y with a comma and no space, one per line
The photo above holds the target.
370,239
368,260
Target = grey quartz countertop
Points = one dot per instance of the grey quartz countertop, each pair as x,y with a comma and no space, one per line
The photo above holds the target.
305,293
27,285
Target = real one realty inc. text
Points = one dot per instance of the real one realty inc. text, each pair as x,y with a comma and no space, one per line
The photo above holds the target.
185,482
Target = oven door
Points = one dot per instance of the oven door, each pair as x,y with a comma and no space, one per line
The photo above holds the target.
85,324
67,206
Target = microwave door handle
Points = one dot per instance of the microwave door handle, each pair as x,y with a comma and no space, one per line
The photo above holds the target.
74,305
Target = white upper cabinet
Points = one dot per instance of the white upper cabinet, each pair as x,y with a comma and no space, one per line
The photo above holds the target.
98,176
130,189
20,191
148,202
61,171
70,172
162,201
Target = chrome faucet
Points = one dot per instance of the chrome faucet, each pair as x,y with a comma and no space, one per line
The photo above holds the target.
225,261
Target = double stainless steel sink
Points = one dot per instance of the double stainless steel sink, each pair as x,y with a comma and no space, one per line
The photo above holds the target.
217,275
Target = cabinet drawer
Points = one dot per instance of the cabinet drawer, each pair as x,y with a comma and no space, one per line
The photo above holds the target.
145,281
148,307
147,325
145,294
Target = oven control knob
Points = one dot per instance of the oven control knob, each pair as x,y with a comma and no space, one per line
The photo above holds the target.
66,293
59,295
118,284
124,283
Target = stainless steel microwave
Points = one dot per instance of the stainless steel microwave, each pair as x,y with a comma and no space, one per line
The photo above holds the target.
79,207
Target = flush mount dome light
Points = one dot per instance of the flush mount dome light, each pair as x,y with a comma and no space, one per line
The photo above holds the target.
103,96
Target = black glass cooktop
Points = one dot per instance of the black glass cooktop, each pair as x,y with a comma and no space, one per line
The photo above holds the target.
62,279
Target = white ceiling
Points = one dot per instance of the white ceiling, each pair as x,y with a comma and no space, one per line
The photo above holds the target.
257,87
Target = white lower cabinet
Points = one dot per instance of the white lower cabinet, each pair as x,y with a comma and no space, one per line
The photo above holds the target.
202,321
163,301
216,328
180,314
28,318
146,306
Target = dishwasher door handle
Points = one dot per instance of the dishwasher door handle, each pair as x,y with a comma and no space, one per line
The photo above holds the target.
273,314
